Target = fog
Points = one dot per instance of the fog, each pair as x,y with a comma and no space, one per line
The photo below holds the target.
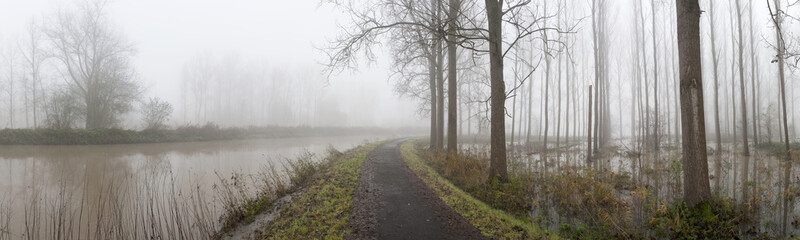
578,113
275,39
263,43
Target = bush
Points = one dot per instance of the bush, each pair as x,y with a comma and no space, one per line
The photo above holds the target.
713,220
63,110
470,173
155,113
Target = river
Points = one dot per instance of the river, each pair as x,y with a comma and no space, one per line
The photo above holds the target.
72,191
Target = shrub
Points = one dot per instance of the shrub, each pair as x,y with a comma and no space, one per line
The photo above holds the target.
713,220
63,110
155,113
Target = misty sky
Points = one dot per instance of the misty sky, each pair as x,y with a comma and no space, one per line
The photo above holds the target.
281,33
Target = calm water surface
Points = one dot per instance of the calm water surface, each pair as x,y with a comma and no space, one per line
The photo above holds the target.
47,173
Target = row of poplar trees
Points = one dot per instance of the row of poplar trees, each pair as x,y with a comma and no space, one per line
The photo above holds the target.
424,27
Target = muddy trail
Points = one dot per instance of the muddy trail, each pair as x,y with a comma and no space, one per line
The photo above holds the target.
393,203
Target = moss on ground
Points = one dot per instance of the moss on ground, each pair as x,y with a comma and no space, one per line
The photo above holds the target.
491,222
323,212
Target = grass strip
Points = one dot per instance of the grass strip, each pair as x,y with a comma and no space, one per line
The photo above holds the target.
491,222
323,212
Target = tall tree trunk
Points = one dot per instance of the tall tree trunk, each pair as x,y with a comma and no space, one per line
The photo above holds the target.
646,111
715,62
656,130
452,75
741,85
11,91
589,132
777,19
569,89
733,86
746,153
753,67
558,108
547,61
440,95
675,81
432,83
514,104
497,167
530,105
695,167
595,35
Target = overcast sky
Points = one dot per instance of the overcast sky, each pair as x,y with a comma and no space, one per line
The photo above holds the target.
167,33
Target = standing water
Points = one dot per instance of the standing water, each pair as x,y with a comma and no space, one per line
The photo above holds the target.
136,190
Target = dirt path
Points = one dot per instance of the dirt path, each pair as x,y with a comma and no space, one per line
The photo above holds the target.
393,203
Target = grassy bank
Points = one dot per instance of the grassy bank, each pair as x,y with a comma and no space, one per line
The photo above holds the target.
575,202
779,149
491,221
323,211
147,205
191,133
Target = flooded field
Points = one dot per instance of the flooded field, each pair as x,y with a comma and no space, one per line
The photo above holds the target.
627,188
137,190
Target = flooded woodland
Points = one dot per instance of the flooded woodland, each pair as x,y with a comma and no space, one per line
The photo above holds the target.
516,119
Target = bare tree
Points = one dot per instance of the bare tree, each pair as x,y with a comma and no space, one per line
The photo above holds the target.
656,133
64,109
34,58
9,57
695,166
498,166
524,24
715,63
155,113
746,153
452,75
753,67
777,18
601,110
746,150
370,26
106,86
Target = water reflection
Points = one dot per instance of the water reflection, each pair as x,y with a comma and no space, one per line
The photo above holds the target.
94,181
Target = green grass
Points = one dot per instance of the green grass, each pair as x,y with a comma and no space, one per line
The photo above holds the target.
715,220
778,149
323,212
491,222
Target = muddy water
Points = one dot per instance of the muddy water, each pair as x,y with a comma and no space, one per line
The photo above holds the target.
38,181
772,185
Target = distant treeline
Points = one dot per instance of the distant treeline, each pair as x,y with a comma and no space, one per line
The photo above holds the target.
188,133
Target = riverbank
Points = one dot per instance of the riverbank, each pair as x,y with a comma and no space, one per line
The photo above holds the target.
319,205
191,133
557,192
496,220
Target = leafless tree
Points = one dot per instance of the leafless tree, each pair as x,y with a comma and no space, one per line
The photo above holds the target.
64,109
715,62
753,69
155,113
695,166
107,85
10,63
656,128
746,150
777,17
34,55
